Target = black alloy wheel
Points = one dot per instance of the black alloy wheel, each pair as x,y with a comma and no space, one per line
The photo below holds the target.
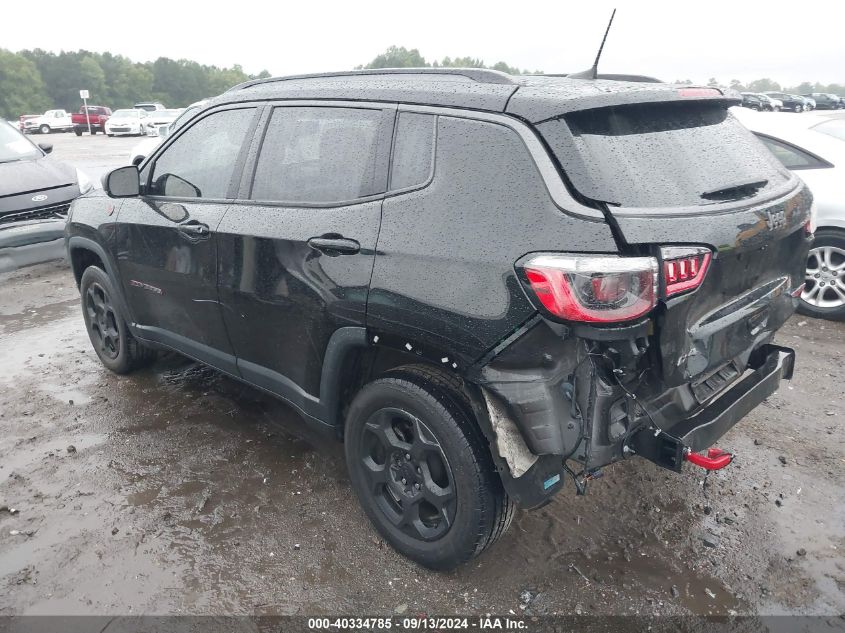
408,474
110,337
422,468
102,322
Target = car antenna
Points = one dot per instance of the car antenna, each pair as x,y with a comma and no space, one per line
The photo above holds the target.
593,72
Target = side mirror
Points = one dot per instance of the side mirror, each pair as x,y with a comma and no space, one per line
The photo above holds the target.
46,147
123,182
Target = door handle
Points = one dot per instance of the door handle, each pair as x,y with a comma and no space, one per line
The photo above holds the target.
335,245
195,229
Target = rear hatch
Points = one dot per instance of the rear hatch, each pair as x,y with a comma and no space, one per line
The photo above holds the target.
686,173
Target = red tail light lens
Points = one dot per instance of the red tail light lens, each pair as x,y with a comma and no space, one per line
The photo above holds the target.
603,289
684,268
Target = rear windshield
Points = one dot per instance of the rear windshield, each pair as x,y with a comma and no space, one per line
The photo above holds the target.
662,155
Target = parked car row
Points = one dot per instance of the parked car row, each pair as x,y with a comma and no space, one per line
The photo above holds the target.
94,118
777,101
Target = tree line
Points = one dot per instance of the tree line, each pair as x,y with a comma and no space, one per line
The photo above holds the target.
401,57
770,85
32,81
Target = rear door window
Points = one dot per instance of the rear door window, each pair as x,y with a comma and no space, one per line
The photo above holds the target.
319,155
413,150
676,154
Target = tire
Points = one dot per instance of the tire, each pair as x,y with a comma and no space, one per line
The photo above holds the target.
115,346
755,108
78,132
110,135
799,108
411,445
825,264
44,129
93,132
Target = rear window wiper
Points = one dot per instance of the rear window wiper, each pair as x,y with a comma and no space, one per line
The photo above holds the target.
735,192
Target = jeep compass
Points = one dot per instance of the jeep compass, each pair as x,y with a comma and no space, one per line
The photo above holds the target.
487,286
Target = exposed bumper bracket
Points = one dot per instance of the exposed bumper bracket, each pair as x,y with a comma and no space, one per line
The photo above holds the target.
670,448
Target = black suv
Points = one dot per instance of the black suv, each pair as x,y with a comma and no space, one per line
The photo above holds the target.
792,103
826,101
761,103
485,285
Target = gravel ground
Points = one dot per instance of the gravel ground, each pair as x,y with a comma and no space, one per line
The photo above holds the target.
178,490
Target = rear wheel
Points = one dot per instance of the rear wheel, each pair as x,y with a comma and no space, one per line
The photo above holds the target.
44,129
117,349
422,470
824,290
77,131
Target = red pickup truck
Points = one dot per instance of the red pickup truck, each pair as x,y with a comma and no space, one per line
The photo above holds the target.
98,116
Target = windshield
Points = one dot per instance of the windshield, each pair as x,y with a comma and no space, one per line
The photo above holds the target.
834,128
14,146
126,114
662,155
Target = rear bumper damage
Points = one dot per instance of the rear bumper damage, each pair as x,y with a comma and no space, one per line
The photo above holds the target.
667,448
563,402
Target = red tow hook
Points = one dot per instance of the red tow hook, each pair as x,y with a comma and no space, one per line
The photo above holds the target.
715,459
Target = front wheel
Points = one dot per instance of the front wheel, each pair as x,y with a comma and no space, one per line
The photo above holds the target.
422,470
799,108
117,349
824,289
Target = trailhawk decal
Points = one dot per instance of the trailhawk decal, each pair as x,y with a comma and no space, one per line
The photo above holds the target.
141,284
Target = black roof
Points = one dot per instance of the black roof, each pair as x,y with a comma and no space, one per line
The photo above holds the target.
531,97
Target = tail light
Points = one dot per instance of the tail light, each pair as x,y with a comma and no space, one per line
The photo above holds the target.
596,289
684,268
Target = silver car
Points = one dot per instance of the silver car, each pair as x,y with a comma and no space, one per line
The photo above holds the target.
813,146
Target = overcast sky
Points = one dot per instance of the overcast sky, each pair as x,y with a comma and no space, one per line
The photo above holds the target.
671,40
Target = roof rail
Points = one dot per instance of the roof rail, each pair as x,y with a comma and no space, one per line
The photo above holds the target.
611,77
481,75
